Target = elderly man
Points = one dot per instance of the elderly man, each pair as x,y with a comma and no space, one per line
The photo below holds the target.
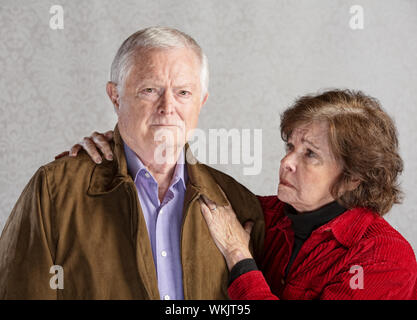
130,228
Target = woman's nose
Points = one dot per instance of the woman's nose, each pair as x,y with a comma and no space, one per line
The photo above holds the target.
288,163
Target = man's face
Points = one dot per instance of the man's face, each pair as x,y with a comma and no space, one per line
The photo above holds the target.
160,101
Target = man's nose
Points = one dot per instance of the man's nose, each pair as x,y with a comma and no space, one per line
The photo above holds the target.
167,103
289,162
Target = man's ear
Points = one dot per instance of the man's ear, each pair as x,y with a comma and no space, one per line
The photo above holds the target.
204,100
113,94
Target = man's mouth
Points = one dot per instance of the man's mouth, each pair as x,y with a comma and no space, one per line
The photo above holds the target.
166,125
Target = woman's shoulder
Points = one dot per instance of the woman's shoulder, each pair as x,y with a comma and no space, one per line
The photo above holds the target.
378,239
382,233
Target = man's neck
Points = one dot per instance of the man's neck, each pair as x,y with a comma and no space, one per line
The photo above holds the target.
163,175
162,171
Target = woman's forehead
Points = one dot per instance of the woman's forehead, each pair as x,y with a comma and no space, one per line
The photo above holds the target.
314,131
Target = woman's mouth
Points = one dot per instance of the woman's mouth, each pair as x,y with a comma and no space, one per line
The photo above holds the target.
286,183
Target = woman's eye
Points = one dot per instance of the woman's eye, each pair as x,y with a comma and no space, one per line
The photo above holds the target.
310,154
288,147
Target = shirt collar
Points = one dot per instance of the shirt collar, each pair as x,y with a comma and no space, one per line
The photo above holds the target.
135,166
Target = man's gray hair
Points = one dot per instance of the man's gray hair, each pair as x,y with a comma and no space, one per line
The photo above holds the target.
155,37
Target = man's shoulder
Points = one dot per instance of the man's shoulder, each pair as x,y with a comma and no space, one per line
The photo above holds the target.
70,165
68,173
245,203
227,182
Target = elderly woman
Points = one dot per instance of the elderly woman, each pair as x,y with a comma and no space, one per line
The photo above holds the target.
325,236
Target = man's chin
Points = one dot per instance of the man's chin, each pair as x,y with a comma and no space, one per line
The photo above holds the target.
168,128
170,135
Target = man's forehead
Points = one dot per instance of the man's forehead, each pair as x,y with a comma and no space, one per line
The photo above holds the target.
173,58
157,65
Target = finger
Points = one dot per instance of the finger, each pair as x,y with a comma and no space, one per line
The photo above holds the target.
103,145
109,135
248,226
75,149
208,202
61,155
91,149
205,211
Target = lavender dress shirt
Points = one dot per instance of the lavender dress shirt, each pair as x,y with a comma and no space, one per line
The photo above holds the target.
163,221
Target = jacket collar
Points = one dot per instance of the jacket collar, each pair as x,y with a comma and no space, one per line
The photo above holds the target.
200,179
109,175
303,224
349,227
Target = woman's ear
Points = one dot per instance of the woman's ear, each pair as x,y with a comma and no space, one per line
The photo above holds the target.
353,184
347,184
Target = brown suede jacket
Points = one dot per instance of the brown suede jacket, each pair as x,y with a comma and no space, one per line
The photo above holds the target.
87,219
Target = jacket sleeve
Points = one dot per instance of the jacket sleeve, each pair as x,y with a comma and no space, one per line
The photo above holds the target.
381,280
26,250
251,286
373,280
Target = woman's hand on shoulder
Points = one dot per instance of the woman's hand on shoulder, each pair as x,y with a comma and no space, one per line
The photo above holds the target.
230,237
96,145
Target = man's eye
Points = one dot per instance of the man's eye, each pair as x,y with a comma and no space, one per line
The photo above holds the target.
184,93
149,90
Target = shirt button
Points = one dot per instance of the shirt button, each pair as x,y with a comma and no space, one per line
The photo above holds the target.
147,175
161,211
282,281
167,297
164,253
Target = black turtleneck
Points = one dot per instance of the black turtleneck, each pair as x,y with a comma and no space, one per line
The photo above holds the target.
303,224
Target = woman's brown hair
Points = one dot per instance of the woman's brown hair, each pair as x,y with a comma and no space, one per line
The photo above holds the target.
362,137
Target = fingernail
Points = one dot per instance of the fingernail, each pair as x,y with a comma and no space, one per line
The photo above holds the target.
98,160
110,157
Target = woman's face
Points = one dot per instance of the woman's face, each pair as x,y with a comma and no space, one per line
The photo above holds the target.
308,169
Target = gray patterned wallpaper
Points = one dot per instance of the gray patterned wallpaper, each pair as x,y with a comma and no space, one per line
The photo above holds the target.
262,55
